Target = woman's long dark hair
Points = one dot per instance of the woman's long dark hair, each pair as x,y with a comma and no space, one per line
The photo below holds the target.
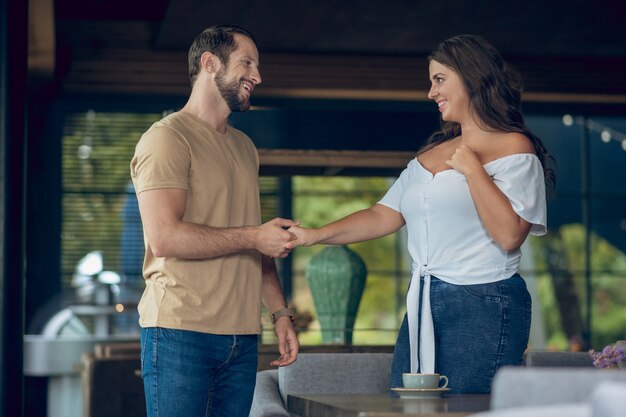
494,90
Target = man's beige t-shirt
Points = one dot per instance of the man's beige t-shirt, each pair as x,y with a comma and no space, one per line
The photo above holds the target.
220,173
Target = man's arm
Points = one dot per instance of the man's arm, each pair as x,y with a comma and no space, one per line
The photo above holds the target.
274,300
162,213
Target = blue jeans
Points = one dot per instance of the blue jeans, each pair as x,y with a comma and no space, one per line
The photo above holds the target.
191,374
478,329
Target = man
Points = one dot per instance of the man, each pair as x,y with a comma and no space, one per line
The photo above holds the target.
208,262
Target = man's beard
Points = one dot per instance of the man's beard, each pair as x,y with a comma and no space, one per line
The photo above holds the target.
230,93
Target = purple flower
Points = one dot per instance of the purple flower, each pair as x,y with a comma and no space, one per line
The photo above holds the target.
610,357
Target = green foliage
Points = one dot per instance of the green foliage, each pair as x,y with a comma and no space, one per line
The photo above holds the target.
608,270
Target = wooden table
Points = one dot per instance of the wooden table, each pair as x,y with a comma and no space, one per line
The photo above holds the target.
386,405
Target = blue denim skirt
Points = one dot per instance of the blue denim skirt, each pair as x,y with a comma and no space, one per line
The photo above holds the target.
478,329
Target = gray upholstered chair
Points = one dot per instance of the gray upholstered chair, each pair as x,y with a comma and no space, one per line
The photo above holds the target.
558,359
556,392
320,373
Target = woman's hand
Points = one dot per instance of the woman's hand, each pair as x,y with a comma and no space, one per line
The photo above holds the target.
465,161
304,237
370,223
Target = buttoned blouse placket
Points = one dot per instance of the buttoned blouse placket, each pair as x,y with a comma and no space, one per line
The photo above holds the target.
421,334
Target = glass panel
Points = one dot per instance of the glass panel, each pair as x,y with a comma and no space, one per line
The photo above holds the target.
320,200
608,269
100,215
97,149
608,155
583,266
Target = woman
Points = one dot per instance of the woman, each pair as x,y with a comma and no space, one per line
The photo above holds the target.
469,200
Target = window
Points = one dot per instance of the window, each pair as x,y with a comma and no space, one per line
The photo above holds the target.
575,274
580,264
97,193
320,200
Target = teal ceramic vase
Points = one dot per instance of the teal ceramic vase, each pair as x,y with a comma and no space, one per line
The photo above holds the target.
336,277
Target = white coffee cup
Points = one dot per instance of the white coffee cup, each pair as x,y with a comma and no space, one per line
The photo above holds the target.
424,381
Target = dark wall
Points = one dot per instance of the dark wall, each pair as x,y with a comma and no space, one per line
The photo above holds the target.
325,127
13,35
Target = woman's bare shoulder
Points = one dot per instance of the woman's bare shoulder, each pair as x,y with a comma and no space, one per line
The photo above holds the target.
510,143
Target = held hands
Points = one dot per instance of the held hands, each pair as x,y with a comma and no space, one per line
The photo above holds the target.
465,161
303,237
272,239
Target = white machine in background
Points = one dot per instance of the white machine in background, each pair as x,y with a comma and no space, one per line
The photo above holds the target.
104,312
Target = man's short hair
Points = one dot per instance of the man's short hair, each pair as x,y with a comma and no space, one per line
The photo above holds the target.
219,40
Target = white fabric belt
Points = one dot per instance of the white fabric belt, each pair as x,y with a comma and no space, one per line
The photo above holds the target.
420,334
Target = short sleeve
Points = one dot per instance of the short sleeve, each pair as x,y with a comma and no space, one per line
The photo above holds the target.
520,178
394,194
162,160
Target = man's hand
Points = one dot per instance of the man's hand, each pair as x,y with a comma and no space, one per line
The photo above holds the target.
271,238
288,344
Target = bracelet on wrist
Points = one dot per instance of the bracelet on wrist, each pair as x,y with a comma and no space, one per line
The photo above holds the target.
282,313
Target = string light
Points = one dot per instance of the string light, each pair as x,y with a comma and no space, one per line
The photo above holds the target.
607,134
568,120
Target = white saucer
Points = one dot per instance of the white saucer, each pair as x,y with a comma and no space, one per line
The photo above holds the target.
420,392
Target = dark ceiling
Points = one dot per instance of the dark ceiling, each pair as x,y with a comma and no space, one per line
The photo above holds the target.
562,28
567,51
532,27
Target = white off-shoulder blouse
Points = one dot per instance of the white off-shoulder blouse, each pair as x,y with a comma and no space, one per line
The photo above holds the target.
447,239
